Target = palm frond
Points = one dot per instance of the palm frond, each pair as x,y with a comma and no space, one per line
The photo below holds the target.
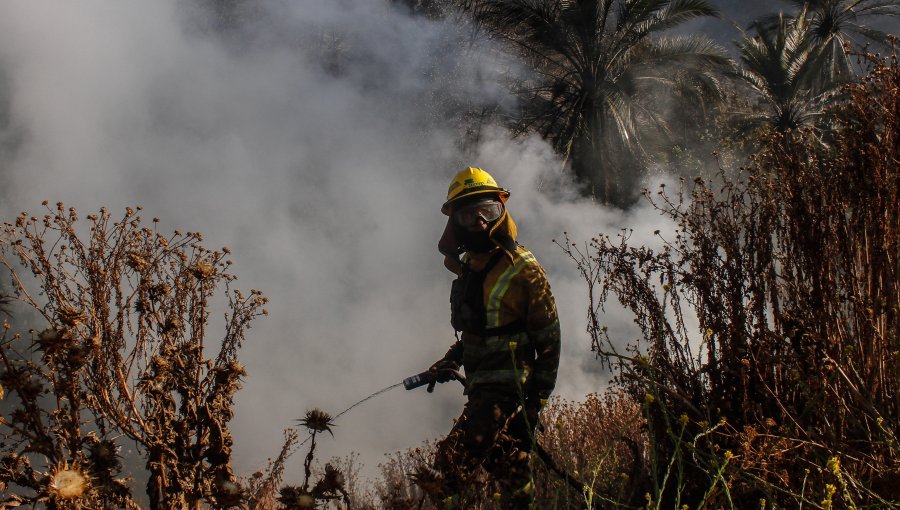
877,8
870,35
5,303
595,62
681,11
696,50
789,70
620,110
635,13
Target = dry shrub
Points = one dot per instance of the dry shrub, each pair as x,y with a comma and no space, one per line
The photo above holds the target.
335,482
788,392
407,480
263,487
599,441
121,356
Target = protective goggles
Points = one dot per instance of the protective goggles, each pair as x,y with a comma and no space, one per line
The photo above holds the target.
487,210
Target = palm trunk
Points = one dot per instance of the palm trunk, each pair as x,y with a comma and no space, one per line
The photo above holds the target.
587,158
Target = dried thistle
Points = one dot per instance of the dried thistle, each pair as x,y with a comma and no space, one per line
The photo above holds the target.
55,339
68,482
172,324
160,364
104,455
430,481
227,376
71,316
317,420
159,291
295,498
136,261
203,270
126,339
793,275
331,483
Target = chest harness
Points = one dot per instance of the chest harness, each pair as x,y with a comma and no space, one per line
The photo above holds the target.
468,312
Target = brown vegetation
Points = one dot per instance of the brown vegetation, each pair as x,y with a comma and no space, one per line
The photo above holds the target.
121,355
786,390
599,441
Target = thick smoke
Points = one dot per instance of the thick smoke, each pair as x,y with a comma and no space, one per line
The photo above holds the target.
313,144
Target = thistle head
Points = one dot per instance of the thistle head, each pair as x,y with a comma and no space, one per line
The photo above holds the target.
332,481
203,270
294,498
104,454
55,339
317,420
71,316
136,260
68,482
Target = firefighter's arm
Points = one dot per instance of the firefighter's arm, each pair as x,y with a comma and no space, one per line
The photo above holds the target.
451,360
546,343
544,334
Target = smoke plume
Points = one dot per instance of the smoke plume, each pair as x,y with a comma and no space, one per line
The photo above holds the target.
311,138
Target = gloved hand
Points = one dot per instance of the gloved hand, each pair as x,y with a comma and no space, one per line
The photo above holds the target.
443,375
447,367
444,364
443,370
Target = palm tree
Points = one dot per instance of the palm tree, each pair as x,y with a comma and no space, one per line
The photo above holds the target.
783,65
595,63
838,24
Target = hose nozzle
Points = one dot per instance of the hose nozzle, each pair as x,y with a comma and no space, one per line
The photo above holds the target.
413,382
432,377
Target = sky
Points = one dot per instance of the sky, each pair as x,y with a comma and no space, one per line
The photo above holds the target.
735,14
325,184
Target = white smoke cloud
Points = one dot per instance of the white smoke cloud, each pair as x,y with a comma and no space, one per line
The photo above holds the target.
326,186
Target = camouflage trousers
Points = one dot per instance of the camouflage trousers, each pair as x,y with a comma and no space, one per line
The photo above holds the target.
492,434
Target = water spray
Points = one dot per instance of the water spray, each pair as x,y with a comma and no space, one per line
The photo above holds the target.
379,392
429,377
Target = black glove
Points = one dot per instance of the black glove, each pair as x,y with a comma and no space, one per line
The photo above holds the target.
452,358
442,371
444,364
447,367
444,375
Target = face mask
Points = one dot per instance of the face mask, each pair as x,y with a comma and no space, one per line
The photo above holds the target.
474,241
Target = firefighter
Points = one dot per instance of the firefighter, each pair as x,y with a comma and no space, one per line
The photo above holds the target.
508,342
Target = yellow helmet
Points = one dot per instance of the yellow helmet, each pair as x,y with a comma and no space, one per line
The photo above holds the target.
472,181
